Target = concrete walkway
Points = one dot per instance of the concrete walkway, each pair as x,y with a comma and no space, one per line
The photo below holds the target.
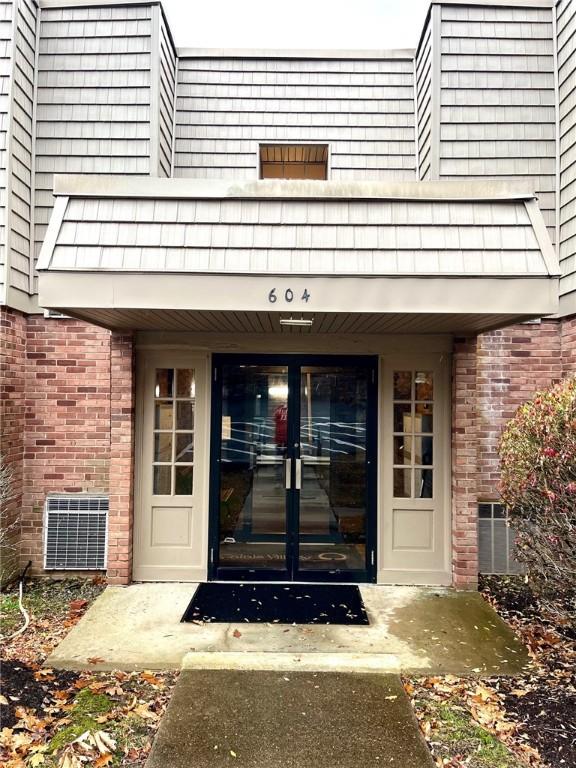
411,629
288,720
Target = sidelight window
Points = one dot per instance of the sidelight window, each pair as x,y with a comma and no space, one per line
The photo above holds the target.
173,454
413,440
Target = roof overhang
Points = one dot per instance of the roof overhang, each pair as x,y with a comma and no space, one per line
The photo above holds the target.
414,257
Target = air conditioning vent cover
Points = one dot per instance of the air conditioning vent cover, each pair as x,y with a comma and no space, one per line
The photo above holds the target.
75,532
495,541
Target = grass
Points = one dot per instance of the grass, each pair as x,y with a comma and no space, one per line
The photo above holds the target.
86,708
44,599
453,733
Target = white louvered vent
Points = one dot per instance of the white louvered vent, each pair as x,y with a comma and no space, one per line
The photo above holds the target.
495,540
75,532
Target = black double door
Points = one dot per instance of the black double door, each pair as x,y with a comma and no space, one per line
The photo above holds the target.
293,468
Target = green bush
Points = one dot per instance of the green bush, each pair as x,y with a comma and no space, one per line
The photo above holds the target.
538,461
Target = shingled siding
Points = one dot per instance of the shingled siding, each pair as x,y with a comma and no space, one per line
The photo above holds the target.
363,108
566,11
5,72
93,113
497,108
21,146
303,237
167,99
424,102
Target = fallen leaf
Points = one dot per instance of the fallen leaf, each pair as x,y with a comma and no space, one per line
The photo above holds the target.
150,678
236,633
95,660
104,742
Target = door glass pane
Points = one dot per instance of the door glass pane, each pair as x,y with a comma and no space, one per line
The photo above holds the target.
402,385
333,499
163,414
253,446
162,480
423,484
402,450
183,480
184,414
423,420
402,486
424,386
402,420
163,446
423,451
164,382
184,448
185,386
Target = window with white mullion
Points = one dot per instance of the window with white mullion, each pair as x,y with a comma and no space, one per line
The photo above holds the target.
413,435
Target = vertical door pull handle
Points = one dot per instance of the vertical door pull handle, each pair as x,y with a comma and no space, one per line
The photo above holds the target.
288,471
298,482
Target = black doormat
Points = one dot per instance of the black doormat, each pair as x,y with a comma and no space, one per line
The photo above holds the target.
277,604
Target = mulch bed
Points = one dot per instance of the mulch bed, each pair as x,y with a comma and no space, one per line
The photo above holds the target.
542,703
21,686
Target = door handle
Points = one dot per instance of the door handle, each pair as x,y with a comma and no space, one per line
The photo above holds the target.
298,480
288,474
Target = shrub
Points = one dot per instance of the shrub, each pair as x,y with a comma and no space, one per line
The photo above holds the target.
538,459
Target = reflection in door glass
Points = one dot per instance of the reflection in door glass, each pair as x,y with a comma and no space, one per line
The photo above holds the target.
333,503
252,452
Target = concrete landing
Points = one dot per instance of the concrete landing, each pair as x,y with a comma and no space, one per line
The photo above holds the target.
296,720
412,629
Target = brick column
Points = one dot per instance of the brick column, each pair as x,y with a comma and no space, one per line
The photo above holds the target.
464,466
122,394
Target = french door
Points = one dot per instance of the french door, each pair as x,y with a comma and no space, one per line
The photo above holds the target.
293,468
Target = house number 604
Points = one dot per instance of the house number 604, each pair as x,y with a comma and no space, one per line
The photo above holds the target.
288,296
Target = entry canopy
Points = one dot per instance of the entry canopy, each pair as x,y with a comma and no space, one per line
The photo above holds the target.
413,257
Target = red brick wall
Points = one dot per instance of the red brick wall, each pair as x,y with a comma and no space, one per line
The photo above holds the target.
464,464
67,415
513,363
12,393
568,329
62,429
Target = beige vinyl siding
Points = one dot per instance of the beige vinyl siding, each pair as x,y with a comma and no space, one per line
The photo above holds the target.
21,147
424,100
363,108
94,90
497,108
167,99
566,28
5,71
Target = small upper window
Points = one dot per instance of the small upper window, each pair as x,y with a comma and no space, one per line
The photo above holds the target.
293,161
